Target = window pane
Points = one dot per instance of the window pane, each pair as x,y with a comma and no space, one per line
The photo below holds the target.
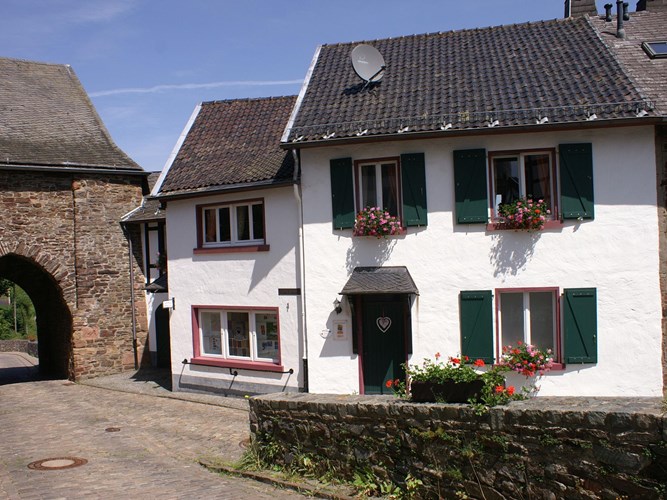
225,225
542,320
368,187
237,329
511,314
258,222
209,226
538,178
267,335
390,189
210,331
242,223
506,178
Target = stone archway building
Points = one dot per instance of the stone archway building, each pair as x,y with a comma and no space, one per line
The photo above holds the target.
64,186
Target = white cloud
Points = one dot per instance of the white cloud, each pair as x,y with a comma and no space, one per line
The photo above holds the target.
191,86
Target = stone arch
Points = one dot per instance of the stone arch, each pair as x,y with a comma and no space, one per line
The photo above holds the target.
39,278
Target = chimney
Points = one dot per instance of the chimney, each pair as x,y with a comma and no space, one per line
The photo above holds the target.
620,30
652,5
578,8
607,12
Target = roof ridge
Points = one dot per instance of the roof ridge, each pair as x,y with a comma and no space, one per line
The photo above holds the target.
462,30
30,61
249,99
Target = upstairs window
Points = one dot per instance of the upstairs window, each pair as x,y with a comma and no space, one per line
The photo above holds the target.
396,184
655,50
378,186
522,175
235,224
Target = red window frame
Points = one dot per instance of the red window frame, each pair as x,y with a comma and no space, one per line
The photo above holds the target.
233,247
557,349
208,360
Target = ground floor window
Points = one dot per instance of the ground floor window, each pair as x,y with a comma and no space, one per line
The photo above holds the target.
528,316
236,334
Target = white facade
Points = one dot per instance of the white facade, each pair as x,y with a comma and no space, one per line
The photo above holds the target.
234,279
616,253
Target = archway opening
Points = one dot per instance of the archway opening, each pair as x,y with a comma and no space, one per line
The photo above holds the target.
53,317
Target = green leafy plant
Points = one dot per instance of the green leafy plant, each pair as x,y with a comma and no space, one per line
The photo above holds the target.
459,369
374,221
523,213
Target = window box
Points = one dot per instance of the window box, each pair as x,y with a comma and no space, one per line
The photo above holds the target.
447,392
236,337
372,221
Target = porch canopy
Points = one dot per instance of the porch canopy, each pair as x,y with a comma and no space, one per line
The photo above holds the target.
380,280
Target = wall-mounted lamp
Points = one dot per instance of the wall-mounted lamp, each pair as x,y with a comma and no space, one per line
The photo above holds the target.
337,306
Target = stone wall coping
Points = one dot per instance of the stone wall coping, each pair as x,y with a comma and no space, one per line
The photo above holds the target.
631,405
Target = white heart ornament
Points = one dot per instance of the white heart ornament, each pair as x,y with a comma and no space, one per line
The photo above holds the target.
383,323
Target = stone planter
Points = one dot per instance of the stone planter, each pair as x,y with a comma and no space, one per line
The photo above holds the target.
448,392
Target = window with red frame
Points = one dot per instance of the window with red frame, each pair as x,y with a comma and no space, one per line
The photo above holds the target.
236,334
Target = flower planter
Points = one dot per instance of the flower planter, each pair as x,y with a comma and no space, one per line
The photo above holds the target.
448,392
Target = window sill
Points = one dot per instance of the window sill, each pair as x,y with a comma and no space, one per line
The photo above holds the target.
555,367
231,249
550,224
232,363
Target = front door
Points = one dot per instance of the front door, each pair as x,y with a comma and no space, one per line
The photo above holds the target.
162,337
383,343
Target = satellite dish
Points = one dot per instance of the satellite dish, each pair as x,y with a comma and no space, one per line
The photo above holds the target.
368,63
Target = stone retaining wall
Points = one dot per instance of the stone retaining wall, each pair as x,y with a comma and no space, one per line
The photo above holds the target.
540,448
18,345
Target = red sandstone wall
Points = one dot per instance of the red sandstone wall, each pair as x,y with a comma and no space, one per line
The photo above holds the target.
70,227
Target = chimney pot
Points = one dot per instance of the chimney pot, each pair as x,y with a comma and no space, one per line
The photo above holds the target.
620,31
607,12
626,14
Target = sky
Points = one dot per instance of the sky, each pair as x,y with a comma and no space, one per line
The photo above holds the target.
146,64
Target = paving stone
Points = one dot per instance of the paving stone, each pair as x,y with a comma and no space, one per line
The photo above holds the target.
152,456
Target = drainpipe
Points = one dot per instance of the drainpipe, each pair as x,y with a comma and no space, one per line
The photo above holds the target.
132,299
302,266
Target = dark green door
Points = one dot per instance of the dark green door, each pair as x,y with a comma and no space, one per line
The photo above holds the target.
383,340
162,337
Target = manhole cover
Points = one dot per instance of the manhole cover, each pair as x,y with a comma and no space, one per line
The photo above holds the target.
112,429
58,463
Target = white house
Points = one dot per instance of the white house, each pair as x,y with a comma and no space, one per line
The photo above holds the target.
445,129
233,224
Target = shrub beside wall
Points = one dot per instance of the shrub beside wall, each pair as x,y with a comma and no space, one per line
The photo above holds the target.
541,448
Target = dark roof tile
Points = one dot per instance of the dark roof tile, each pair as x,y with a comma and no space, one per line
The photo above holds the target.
514,74
47,119
233,142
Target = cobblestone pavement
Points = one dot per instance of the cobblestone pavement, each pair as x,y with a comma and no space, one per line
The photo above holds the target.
153,455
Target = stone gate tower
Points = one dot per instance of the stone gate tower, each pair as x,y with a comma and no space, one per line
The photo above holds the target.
64,185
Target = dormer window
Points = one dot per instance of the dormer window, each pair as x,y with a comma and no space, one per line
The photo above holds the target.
655,50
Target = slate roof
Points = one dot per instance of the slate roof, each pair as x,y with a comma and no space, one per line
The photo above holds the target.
150,207
649,74
47,119
515,74
232,143
379,280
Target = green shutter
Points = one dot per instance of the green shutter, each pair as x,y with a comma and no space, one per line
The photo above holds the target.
413,177
342,193
477,325
576,181
580,325
472,200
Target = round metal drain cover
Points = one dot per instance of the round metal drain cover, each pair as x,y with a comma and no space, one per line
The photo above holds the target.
58,463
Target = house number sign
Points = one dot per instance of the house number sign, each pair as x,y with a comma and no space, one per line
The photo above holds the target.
383,323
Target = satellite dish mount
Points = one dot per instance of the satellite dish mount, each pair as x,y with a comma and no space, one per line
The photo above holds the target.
368,63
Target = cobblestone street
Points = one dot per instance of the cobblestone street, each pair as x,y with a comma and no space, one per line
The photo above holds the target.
152,455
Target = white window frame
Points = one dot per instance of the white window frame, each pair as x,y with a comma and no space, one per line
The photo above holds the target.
525,292
521,156
377,163
234,240
252,334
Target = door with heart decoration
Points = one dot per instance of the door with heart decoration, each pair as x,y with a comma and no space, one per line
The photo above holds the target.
383,342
